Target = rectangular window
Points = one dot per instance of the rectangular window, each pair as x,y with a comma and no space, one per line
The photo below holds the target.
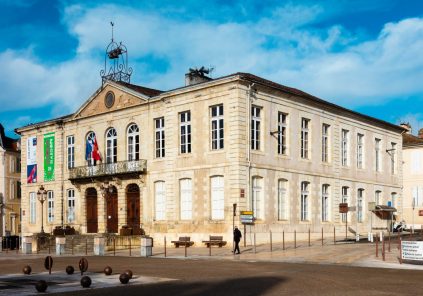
185,128
282,200
344,147
18,189
255,127
12,190
360,151
71,151
304,138
325,202
160,137
360,196
393,158
71,205
377,197
344,200
50,206
217,127
304,201
160,198
377,155
18,164
394,199
282,140
186,199
217,198
325,142
32,207
257,198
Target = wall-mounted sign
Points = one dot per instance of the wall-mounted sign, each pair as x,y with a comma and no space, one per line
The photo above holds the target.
49,157
242,193
420,212
371,206
247,217
31,160
343,208
412,250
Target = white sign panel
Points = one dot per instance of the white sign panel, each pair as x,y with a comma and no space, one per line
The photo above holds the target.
412,250
31,157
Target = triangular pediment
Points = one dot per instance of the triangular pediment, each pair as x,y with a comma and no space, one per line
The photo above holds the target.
100,102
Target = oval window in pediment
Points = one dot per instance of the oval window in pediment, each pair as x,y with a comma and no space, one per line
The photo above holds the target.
109,99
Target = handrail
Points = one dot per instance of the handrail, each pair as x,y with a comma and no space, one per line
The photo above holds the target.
106,169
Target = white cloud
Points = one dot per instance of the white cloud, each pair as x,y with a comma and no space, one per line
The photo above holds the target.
331,63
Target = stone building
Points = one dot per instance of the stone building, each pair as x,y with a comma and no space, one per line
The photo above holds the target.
10,185
174,162
413,178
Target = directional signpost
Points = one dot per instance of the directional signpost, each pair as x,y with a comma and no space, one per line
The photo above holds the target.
247,218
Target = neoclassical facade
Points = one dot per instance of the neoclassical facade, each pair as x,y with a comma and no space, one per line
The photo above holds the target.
175,162
10,185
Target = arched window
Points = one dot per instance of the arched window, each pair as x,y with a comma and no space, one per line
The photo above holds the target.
133,142
71,205
360,204
304,201
345,193
378,199
282,199
160,200
257,198
185,186
325,202
217,192
111,146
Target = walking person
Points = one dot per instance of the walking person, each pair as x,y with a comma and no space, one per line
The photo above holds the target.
237,238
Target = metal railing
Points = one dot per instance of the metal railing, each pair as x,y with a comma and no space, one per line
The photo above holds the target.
107,169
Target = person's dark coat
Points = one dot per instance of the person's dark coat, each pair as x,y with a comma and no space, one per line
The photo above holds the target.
237,235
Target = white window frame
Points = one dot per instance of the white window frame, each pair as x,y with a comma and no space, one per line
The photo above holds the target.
394,198
32,207
70,140
325,142
185,132
185,186
378,195
344,199
217,127
111,145
255,127
344,147
325,202
393,153
160,200
50,206
304,200
282,199
133,142
71,212
217,196
378,163
304,138
282,133
360,151
257,198
159,124
360,205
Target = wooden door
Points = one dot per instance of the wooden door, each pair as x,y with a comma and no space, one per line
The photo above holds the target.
91,209
112,212
133,206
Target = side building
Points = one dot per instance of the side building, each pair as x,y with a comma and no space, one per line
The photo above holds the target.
175,162
10,185
413,179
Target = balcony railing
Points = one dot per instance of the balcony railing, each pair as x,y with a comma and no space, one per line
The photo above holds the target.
108,169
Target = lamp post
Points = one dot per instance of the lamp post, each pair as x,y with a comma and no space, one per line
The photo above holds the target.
42,195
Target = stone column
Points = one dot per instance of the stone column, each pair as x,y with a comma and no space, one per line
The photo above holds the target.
122,204
101,211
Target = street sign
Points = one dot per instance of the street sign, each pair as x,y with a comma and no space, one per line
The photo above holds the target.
343,208
420,212
247,217
371,206
412,250
352,209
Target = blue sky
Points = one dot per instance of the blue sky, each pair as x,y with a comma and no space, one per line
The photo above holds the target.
364,55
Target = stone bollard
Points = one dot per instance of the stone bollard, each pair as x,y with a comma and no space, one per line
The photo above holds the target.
60,245
99,243
146,246
27,245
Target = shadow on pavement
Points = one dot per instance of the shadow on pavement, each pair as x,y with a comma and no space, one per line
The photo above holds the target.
242,286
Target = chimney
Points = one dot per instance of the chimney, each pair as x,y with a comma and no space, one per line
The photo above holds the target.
420,135
407,126
195,76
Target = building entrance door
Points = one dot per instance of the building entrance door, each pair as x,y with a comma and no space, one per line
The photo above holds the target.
91,209
133,206
112,211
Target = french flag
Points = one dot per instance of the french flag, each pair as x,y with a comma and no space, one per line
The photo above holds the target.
91,149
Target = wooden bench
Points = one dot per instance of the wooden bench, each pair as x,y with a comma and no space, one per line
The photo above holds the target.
183,241
215,241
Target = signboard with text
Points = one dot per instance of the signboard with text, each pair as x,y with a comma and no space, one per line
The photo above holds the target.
412,250
31,160
49,157
247,217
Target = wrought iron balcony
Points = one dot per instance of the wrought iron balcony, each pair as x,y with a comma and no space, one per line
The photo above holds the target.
108,169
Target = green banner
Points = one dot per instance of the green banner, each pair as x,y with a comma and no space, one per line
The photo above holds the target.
49,157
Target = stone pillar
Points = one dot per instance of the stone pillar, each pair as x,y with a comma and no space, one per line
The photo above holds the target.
60,245
99,243
122,204
102,212
27,245
146,246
